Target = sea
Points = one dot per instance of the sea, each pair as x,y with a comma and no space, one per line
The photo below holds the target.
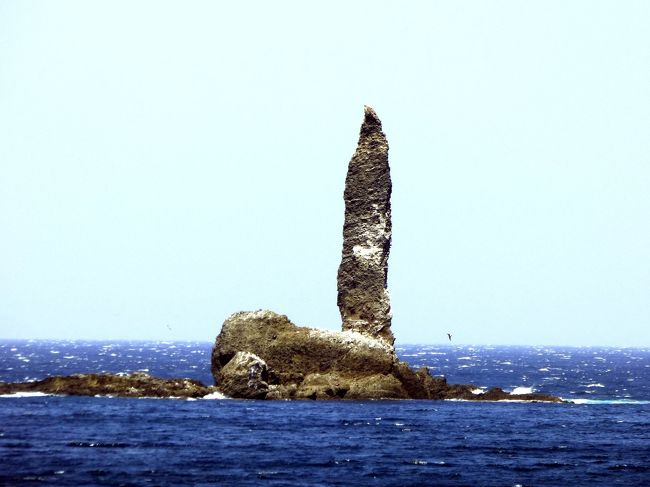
601,436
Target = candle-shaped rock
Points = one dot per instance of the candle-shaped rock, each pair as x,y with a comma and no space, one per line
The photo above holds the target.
363,298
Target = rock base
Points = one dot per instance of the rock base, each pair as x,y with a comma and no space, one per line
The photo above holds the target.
268,357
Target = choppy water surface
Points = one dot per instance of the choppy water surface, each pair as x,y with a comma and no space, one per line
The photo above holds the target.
602,440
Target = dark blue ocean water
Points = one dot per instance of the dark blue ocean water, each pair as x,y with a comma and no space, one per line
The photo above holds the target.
602,439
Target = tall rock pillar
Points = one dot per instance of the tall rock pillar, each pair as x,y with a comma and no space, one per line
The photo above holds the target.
363,298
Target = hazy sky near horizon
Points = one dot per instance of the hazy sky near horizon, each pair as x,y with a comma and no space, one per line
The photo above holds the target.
165,164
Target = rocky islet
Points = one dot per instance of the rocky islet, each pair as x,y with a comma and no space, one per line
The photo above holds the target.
263,355
135,384
359,362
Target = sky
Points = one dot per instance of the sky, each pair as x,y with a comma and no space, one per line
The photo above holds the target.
166,164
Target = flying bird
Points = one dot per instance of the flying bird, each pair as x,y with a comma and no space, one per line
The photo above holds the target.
449,335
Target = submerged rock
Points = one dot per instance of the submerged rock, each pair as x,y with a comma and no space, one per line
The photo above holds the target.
363,298
136,384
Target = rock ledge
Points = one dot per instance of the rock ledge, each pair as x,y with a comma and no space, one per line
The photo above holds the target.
136,384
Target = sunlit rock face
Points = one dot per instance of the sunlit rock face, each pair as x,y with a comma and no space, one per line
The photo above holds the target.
363,298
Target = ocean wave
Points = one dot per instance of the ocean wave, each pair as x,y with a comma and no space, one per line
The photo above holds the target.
522,390
25,394
99,444
605,401
215,395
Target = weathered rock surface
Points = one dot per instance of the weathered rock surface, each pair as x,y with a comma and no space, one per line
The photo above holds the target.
303,362
307,363
363,298
136,384
245,376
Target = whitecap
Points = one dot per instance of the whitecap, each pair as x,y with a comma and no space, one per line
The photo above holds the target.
522,390
596,384
464,358
26,394
605,401
544,369
215,395
419,462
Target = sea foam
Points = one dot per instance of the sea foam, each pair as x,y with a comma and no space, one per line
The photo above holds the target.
25,394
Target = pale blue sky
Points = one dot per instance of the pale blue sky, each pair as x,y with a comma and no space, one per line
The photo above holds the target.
169,163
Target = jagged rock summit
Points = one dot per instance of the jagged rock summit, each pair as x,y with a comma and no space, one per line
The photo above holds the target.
363,298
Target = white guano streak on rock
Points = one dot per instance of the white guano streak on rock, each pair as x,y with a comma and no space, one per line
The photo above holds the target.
260,314
350,337
375,236
369,253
